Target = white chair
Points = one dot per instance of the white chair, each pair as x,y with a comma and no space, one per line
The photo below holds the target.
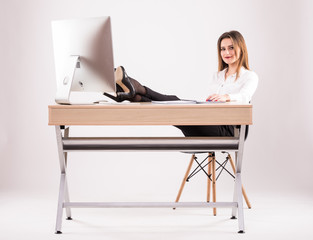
214,170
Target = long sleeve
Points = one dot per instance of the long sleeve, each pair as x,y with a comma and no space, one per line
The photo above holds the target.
249,83
240,89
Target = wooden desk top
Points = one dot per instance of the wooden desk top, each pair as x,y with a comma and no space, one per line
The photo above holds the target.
151,114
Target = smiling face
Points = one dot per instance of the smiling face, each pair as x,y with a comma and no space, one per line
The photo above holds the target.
232,52
229,54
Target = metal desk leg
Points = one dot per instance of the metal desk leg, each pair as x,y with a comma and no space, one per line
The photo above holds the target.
240,203
67,196
234,209
60,205
238,183
63,190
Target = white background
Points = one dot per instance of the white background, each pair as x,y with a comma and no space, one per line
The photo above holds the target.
169,46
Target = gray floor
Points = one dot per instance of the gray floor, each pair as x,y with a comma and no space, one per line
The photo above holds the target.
274,217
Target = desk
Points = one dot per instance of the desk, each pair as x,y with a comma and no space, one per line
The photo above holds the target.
62,116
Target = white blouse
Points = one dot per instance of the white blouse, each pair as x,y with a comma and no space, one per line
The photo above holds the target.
240,90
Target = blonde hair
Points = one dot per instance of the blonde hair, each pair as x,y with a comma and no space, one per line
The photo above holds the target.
238,42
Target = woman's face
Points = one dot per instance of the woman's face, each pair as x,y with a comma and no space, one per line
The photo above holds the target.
228,53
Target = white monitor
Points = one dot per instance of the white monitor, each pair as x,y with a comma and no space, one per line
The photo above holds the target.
84,63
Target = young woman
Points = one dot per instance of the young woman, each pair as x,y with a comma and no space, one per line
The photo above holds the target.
234,81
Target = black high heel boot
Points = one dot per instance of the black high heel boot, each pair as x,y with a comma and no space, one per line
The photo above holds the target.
115,98
125,90
123,82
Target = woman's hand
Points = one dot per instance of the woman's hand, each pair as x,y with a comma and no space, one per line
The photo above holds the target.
219,98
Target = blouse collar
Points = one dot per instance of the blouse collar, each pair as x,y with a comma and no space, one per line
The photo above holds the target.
242,70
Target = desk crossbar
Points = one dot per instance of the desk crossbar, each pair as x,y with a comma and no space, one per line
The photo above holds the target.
149,204
151,144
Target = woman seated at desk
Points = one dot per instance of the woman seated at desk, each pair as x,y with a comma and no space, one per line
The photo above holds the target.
234,81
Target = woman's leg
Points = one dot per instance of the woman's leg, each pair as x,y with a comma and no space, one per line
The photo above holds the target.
155,96
128,88
139,93
145,94
148,94
207,131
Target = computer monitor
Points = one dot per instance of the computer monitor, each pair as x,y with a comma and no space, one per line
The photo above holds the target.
84,63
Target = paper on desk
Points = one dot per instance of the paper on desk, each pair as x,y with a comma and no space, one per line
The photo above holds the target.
176,102
187,102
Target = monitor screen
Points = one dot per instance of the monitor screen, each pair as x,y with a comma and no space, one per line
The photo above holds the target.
83,55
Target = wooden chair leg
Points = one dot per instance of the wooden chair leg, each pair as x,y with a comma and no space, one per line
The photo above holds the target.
185,178
243,190
214,182
209,180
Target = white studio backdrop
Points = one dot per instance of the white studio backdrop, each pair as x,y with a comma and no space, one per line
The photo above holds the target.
169,46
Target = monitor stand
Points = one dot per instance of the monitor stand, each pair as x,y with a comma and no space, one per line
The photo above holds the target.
64,94
64,90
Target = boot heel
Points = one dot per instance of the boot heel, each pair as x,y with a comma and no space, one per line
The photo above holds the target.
119,77
112,97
